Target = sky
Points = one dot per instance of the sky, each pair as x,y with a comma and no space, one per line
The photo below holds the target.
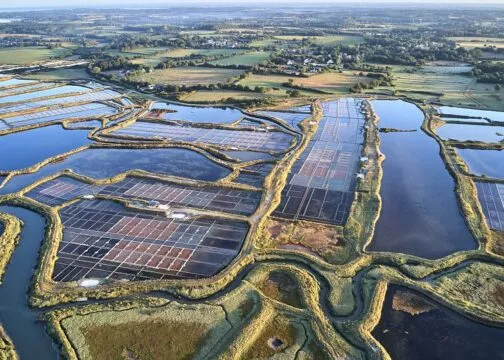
125,3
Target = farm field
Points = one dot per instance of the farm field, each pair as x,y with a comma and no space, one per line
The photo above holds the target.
333,82
268,81
188,76
331,40
198,32
30,55
263,43
129,55
490,55
478,42
251,181
447,84
274,84
184,52
60,74
167,54
248,59
202,96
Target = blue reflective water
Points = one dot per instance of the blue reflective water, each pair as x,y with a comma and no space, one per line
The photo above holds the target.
105,163
484,162
27,148
214,115
462,132
487,114
420,214
19,321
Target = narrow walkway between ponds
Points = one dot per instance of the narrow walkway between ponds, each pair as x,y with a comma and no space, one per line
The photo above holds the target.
33,342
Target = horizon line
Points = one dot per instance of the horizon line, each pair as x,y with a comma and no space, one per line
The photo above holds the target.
190,3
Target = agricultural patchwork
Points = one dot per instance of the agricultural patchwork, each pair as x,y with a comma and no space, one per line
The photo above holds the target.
252,183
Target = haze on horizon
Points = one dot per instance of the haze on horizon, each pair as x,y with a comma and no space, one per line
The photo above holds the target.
123,3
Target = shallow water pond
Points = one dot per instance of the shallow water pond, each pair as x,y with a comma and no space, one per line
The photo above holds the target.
105,163
491,115
27,148
437,333
461,132
90,124
12,82
420,214
249,155
78,111
484,162
398,114
43,93
214,115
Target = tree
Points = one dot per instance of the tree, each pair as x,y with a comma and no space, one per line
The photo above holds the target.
294,93
95,70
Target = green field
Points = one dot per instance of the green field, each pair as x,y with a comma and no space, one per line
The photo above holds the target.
338,40
197,32
178,53
147,333
446,67
220,96
330,40
447,84
471,42
249,59
188,76
60,74
147,50
263,43
267,81
334,82
167,54
115,52
30,55
274,84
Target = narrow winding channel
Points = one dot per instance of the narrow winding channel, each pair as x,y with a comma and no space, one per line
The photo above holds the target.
417,212
18,319
30,336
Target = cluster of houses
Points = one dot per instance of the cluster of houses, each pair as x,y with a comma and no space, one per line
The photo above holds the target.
220,42
16,41
304,62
